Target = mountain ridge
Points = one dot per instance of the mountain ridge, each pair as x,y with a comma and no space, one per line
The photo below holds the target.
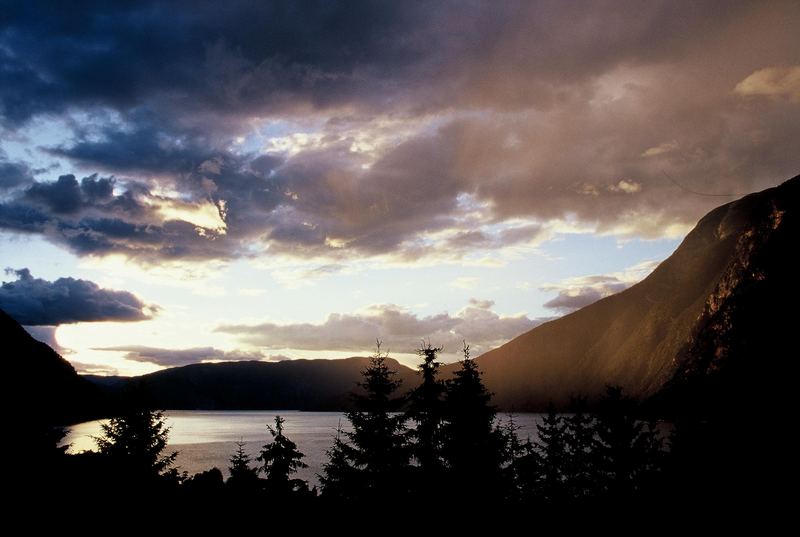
639,338
302,384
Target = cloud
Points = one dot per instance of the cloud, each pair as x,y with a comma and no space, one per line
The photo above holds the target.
626,186
13,174
358,129
464,282
772,82
278,57
89,218
95,369
399,330
62,196
243,59
47,334
181,357
577,297
661,149
494,239
481,304
34,301
575,293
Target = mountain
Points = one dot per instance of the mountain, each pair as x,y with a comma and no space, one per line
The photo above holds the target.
290,384
707,319
40,384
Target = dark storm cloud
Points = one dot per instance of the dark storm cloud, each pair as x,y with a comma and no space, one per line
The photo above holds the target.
610,113
299,202
97,189
23,218
180,357
34,301
88,217
67,196
270,56
13,174
62,196
145,144
398,329
198,55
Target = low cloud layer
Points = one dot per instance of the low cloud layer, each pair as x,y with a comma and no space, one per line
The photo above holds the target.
94,369
181,357
398,329
34,301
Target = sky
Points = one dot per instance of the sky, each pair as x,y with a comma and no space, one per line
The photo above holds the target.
204,181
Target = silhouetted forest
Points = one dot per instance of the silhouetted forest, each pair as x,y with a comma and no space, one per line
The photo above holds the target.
442,442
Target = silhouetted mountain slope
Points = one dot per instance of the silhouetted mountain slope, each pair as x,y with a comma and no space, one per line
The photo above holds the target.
713,304
287,385
39,383
743,346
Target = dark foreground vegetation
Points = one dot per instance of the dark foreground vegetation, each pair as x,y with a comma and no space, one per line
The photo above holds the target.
440,443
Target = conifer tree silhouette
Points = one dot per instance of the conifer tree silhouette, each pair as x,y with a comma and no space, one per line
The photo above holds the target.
243,477
516,454
426,410
551,450
339,478
134,443
630,450
526,472
473,446
372,461
582,464
281,459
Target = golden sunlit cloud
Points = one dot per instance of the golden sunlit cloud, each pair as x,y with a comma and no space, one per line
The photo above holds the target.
205,214
626,186
661,149
774,82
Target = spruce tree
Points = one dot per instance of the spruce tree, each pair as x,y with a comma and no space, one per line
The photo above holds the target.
281,459
630,449
527,471
426,410
473,446
516,454
340,479
243,477
582,463
372,461
134,443
551,450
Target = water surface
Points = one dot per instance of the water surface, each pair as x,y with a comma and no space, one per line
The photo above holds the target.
205,439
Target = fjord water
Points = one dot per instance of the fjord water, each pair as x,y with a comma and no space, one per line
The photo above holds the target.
205,439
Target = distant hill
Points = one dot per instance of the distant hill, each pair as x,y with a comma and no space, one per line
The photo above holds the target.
290,384
40,384
715,306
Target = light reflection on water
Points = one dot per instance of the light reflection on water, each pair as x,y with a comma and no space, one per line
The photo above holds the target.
205,439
